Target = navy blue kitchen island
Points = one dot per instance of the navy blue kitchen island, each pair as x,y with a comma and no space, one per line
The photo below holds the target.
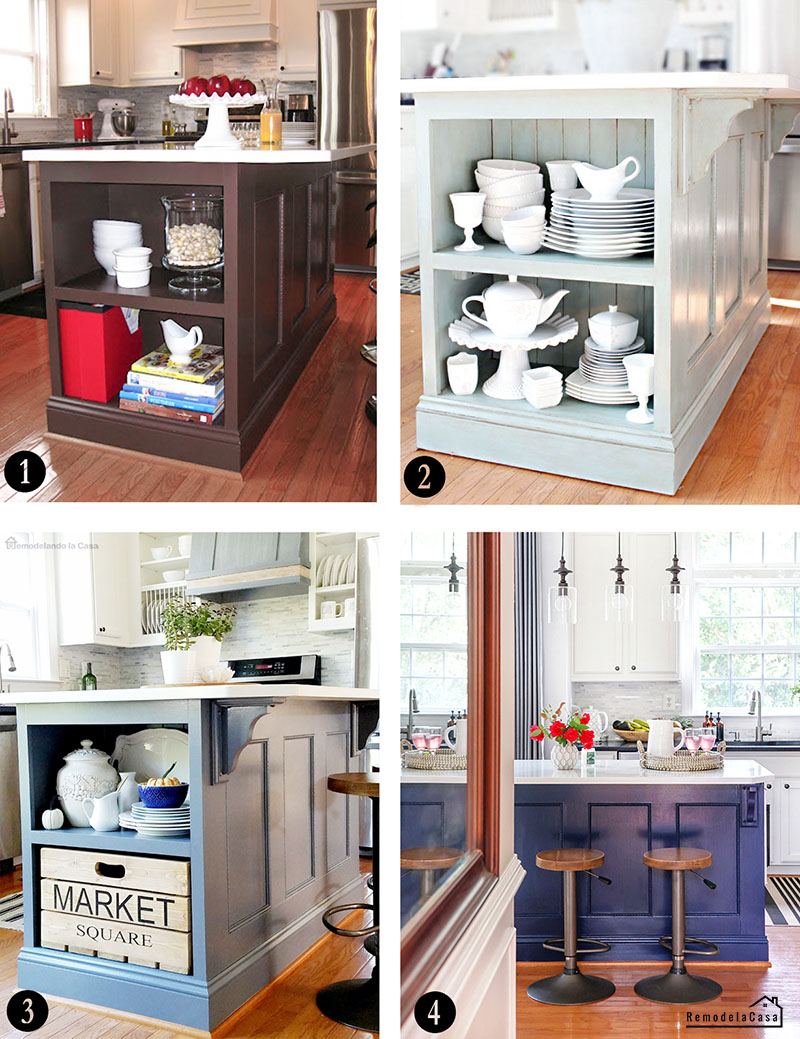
621,809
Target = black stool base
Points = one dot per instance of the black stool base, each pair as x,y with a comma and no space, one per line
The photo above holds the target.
571,989
352,1003
677,988
371,945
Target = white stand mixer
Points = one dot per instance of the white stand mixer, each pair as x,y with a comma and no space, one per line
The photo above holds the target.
107,105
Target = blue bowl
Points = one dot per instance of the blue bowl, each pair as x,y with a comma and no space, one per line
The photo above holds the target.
163,796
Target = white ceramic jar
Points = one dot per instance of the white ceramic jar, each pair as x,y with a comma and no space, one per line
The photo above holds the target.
613,330
564,758
88,773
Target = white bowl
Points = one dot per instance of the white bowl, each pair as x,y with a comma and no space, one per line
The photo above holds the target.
503,211
134,280
526,198
132,258
526,216
502,168
216,675
509,185
173,576
493,226
521,244
107,225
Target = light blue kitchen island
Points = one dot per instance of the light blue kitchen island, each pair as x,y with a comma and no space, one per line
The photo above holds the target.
270,849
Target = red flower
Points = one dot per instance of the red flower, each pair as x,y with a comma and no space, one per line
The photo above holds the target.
584,719
587,738
571,734
557,729
536,733
588,744
539,736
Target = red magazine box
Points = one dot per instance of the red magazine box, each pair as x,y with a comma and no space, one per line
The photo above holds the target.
97,350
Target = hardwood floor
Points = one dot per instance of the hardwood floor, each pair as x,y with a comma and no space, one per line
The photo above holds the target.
321,446
751,456
625,1014
285,1009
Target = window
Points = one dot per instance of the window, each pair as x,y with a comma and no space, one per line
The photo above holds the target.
433,623
26,607
747,619
24,55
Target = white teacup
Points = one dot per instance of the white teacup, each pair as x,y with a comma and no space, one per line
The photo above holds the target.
563,176
331,610
159,554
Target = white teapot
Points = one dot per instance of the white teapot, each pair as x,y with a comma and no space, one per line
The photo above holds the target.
514,308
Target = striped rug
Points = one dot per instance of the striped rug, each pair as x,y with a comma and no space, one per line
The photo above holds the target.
11,912
783,901
409,283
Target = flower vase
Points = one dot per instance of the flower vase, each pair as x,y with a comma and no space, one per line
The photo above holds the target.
563,757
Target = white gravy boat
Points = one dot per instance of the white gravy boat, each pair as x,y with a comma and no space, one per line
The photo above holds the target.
605,185
179,342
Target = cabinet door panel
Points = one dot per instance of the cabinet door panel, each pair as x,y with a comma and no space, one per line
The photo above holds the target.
789,807
151,58
297,32
596,642
104,40
109,584
653,645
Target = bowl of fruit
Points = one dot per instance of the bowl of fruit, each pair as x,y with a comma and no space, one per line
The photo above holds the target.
164,792
631,731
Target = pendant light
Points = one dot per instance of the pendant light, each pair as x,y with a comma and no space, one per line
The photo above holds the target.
672,595
619,597
453,586
562,600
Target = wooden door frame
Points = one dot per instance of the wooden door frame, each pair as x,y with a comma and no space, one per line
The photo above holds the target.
428,938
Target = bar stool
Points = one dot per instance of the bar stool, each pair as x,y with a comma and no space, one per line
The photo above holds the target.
678,986
571,988
354,1002
427,861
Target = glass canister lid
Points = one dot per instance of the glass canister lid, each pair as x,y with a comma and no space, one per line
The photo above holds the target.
86,752
613,317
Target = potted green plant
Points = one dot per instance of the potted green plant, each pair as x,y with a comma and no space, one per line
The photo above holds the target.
568,735
625,35
209,623
178,658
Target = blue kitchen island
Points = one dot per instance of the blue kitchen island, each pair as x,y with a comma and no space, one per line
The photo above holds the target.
622,809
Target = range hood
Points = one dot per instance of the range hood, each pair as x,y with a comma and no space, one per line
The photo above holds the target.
200,22
238,567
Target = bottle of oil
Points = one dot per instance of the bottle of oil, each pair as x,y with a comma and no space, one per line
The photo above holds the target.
271,116
88,681
167,125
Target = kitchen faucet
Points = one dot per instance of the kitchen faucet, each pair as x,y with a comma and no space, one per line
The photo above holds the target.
11,665
413,708
755,699
8,131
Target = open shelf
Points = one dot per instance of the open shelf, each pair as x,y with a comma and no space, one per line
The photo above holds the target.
498,259
123,841
99,287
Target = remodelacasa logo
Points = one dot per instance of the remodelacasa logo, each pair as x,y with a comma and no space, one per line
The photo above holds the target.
766,1012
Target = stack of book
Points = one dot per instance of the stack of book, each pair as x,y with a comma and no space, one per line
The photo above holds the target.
193,392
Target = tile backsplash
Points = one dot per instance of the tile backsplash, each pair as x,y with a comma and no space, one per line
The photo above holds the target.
621,700
263,627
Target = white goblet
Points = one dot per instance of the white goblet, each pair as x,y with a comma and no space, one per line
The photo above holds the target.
468,214
641,381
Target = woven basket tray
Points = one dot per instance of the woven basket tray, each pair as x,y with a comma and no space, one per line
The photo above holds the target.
442,760
682,760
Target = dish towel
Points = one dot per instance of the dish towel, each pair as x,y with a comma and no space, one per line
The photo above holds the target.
2,199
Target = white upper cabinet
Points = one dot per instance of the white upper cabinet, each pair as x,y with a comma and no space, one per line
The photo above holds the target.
297,39
644,649
93,590
86,37
479,16
148,56
225,21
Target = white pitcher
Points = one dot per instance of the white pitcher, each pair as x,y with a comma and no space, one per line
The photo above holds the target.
127,791
179,342
103,812
598,720
455,736
661,741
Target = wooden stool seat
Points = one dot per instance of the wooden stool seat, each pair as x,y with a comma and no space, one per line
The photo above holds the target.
569,859
357,783
677,858
429,858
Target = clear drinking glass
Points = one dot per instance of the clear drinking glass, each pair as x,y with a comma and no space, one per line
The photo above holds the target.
693,740
193,234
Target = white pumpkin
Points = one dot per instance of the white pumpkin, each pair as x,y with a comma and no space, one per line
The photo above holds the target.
53,817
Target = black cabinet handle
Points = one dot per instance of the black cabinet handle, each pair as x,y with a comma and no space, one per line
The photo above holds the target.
617,668
785,786
633,667
102,629
769,786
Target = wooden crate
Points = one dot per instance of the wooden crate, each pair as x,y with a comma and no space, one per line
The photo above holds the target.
131,908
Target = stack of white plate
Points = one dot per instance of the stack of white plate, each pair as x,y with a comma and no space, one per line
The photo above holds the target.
160,822
509,184
300,133
602,230
543,387
334,570
604,365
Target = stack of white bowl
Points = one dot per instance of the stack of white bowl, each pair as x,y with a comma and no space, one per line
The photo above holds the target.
508,184
132,266
523,230
109,235
543,387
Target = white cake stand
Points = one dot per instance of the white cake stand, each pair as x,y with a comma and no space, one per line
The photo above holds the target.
506,383
218,132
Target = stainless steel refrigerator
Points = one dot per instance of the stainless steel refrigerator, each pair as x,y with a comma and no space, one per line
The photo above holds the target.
346,114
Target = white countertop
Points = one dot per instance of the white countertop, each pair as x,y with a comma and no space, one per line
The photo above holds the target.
766,85
188,153
238,691
742,771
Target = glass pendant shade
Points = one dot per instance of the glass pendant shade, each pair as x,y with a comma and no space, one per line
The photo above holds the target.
672,600
619,604
562,605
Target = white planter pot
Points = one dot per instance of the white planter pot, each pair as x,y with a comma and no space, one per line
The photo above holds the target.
564,758
178,665
625,35
206,654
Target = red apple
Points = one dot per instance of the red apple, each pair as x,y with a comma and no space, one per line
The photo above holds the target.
243,86
219,85
196,85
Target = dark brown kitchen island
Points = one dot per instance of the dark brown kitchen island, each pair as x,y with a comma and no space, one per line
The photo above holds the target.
273,306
